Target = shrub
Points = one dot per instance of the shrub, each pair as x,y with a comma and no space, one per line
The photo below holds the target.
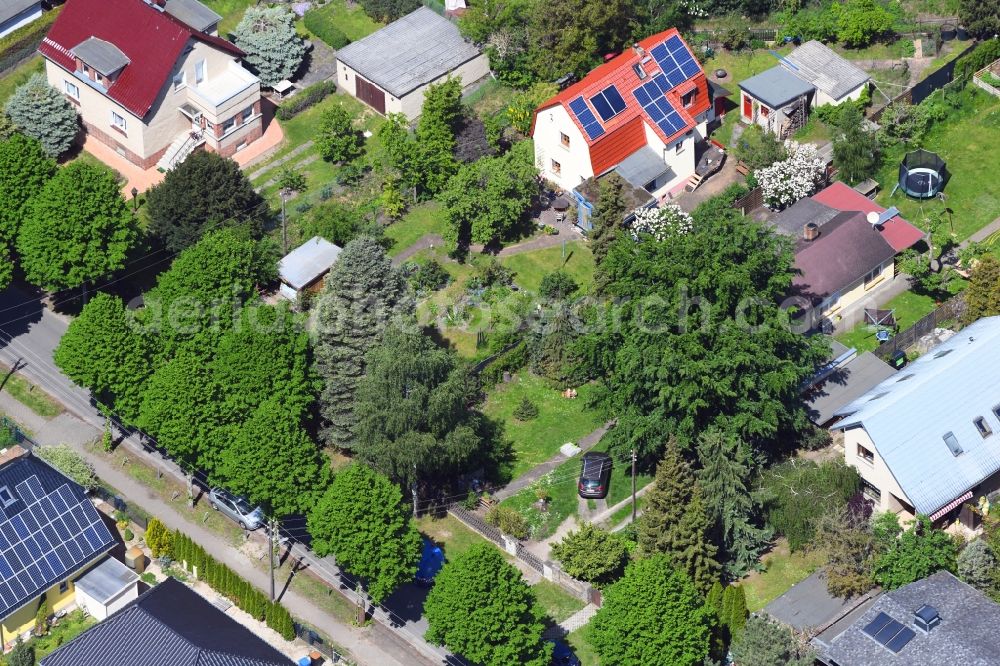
592,555
508,521
557,284
735,33
429,276
70,463
916,553
42,617
977,566
292,180
319,24
25,36
983,55
526,410
305,98
128,535
159,539
757,148
148,578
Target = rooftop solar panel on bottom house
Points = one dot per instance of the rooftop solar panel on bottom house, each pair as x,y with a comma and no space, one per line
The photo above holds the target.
49,530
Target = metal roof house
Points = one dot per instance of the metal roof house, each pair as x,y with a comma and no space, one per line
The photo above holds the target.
390,69
50,532
168,625
778,99
925,440
304,267
933,621
15,14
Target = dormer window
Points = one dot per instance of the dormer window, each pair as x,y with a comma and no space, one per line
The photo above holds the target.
99,60
689,98
6,497
982,426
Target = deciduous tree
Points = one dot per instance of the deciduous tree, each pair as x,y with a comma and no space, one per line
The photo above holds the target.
43,113
362,295
481,608
203,193
272,46
981,19
851,551
24,169
982,297
653,616
76,229
336,137
918,552
765,642
856,149
592,554
361,521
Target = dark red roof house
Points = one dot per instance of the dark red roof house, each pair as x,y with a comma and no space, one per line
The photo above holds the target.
642,114
151,79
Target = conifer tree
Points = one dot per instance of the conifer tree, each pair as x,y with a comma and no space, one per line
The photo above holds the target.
608,218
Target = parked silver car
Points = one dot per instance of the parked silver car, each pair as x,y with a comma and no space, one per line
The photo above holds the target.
237,508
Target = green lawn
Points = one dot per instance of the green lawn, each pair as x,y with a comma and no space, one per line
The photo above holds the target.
352,21
30,395
557,602
422,219
559,420
739,66
575,258
560,484
967,141
231,12
449,533
579,640
782,570
69,627
15,77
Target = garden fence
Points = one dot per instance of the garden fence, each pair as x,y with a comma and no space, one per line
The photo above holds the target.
317,643
17,435
921,90
136,515
949,310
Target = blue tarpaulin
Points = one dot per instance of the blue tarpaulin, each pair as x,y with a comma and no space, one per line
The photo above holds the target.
431,561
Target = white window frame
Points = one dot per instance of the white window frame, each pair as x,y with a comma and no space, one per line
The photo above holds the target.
200,68
556,168
246,114
873,275
115,117
72,89
564,139
228,124
866,454
180,80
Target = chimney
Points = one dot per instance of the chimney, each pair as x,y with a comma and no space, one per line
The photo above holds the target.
926,618
639,51
810,231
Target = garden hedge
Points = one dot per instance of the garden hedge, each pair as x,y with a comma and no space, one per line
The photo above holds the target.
307,97
319,24
28,34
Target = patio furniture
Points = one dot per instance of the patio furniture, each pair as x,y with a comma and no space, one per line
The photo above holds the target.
881,319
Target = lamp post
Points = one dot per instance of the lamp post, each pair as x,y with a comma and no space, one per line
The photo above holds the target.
135,199
284,192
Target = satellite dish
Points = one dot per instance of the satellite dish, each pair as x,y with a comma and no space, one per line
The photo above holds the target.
873,218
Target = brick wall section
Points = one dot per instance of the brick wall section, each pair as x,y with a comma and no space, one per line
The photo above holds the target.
229,149
109,140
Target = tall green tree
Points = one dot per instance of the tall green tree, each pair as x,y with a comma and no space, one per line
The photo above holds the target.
77,229
104,350
400,153
362,522
362,295
608,218
765,642
435,135
44,113
977,566
481,608
726,469
201,293
570,36
489,198
857,152
272,46
273,461
918,552
415,420
982,296
592,554
203,193
981,19
851,549
24,170
653,616
336,137
675,522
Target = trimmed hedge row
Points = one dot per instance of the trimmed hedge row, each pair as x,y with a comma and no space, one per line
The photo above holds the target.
227,583
509,361
309,96
319,24
984,54
26,34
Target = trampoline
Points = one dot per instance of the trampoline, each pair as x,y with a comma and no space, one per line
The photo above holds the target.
921,174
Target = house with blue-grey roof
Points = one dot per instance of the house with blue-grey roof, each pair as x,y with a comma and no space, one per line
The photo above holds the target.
927,439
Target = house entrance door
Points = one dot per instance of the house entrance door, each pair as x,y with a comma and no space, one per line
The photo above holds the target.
747,107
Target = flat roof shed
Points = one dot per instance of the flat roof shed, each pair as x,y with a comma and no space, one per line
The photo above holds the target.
308,263
776,87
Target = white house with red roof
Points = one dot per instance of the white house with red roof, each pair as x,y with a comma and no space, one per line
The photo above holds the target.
152,80
641,113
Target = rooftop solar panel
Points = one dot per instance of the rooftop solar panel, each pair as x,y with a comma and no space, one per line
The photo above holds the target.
586,118
899,641
602,107
659,52
642,96
676,77
887,632
876,625
674,44
614,98
690,67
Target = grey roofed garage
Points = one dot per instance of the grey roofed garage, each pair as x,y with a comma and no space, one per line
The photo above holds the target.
776,87
820,65
193,13
103,56
417,49
107,580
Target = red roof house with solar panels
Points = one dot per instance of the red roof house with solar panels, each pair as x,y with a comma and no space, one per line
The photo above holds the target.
641,114
151,79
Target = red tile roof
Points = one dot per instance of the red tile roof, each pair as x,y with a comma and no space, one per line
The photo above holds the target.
151,39
897,232
620,131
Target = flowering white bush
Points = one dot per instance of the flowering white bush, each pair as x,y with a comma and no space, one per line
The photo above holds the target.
783,183
660,222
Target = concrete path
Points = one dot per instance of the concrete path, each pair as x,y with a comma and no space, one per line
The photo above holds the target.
981,235
424,243
535,473
572,623
603,516
292,154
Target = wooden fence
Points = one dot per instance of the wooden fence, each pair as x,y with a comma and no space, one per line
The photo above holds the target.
949,310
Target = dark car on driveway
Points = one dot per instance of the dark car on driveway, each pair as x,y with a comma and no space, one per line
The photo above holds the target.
595,475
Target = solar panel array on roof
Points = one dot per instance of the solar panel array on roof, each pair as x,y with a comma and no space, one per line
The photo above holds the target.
586,117
675,61
608,102
654,102
888,633
51,536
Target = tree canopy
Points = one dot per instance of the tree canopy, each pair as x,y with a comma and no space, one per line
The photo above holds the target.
653,616
856,149
592,554
362,522
980,17
272,46
481,608
76,229
918,552
24,170
43,113
982,296
336,137
203,193
764,642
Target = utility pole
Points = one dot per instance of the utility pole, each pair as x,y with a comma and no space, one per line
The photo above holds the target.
413,489
270,553
633,486
284,228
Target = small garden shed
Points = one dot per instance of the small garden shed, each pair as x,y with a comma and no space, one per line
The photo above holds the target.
106,588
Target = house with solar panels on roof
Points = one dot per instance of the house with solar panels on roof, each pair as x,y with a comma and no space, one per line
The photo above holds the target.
152,80
779,99
643,114
927,439
51,537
